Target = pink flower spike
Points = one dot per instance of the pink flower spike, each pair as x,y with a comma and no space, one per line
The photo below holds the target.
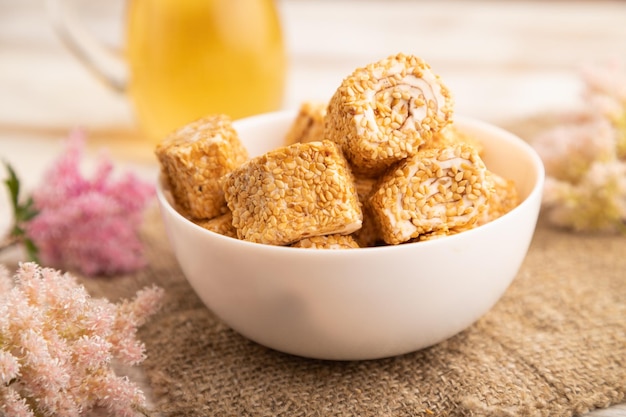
56,355
92,352
585,157
5,280
121,395
9,367
130,351
608,80
89,225
147,302
12,404
568,150
99,319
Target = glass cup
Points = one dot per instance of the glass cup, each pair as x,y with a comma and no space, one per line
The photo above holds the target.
185,59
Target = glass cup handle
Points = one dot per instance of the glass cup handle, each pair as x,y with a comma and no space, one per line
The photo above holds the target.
108,66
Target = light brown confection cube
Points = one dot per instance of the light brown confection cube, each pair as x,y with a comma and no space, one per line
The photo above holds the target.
308,125
293,192
327,242
437,191
194,158
221,224
382,113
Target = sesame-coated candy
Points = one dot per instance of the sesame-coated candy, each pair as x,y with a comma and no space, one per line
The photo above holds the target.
167,191
450,136
438,234
308,125
327,242
369,234
364,186
503,199
194,158
293,192
436,191
382,113
221,224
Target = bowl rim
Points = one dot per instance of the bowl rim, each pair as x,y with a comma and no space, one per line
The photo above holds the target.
537,188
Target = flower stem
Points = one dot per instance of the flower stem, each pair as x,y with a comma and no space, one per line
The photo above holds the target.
8,242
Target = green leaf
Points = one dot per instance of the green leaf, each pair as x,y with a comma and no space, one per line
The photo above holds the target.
29,210
22,213
17,231
31,250
25,212
13,185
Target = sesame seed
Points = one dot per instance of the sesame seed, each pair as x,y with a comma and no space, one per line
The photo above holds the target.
194,158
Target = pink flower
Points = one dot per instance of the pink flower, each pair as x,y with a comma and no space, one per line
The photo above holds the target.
56,354
12,404
607,82
569,150
597,202
9,367
90,225
92,351
119,396
585,157
100,317
605,93
5,281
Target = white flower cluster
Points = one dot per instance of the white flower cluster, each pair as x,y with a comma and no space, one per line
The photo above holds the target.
585,157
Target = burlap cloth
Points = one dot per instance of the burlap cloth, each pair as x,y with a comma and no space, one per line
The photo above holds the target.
554,345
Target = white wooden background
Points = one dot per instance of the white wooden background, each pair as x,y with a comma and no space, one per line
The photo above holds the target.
503,60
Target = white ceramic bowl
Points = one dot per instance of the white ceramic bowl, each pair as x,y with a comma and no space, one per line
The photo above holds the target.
361,303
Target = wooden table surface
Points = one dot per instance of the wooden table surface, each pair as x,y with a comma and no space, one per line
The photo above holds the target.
503,60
